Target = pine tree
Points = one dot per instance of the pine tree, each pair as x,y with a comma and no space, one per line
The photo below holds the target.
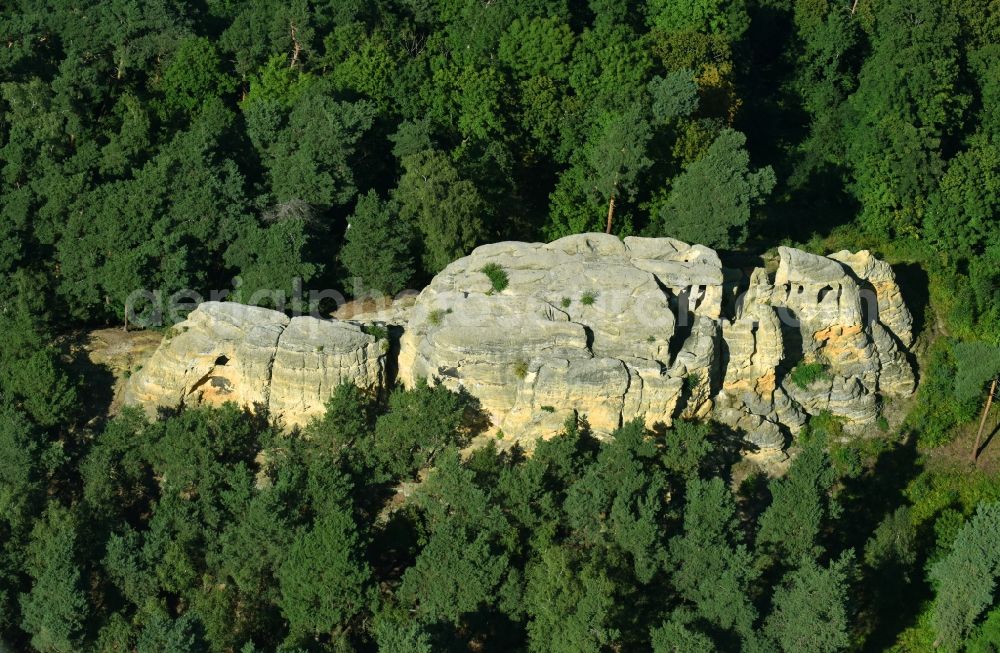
789,528
324,578
711,201
55,611
377,246
965,580
445,208
811,608
712,568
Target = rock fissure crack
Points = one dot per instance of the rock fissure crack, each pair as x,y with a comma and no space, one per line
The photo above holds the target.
269,373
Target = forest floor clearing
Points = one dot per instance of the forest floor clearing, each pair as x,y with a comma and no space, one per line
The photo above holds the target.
377,309
956,455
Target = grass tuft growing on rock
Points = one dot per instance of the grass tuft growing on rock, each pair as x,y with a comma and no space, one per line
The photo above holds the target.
565,302
521,369
436,316
497,276
588,298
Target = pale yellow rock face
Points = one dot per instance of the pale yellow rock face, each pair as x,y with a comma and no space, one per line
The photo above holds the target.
584,327
815,289
257,358
222,352
751,399
589,327
313,357
889,309
830,310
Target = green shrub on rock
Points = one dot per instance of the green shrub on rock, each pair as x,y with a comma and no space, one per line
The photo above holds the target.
497,276
804,375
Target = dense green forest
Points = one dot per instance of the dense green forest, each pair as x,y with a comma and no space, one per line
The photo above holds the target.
217,144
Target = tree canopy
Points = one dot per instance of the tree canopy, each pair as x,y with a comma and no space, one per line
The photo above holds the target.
257,148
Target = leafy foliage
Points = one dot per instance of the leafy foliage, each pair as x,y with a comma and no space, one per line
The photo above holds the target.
811,608
55,611
166,146
977,365
419,424
208,530
791,525
713,568
446,209
377,246
966,578
939,408
322,581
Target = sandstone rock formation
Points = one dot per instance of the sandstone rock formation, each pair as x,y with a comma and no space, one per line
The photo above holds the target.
585,326
588,325
257,357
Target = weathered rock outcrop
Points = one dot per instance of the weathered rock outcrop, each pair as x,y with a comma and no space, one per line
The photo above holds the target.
846,330
584,325
257,357
588,325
